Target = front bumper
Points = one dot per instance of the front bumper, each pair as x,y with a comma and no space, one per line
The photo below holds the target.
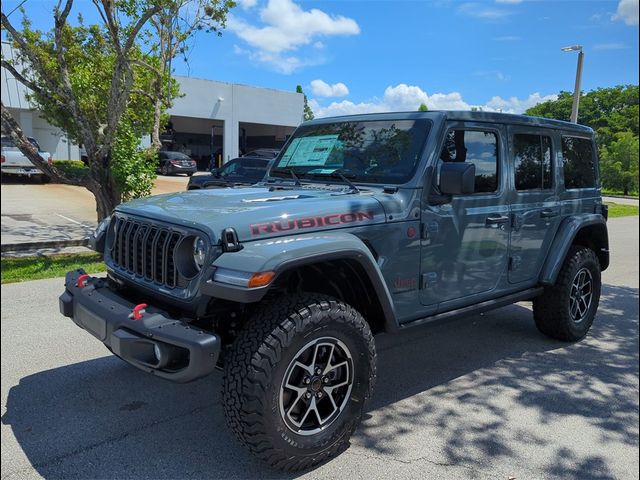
155,343
17,170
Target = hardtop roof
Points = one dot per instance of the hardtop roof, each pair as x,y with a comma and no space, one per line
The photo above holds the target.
490,117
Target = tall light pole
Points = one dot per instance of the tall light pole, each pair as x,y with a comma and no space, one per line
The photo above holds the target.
576,90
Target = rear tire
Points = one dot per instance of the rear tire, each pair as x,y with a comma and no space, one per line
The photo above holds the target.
566,310
296,380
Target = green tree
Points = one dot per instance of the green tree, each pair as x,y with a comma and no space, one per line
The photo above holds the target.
619,163
612,113
168,37
307,113
607,110
423,108
84,80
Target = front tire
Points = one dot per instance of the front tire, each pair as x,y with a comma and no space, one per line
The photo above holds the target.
296,380
164,169
566,310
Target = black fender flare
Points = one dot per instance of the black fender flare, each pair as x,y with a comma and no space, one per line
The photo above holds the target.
283,255
567,232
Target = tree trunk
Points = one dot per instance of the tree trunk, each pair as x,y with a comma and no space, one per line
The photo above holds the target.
103,185
157,118
157,115
106,201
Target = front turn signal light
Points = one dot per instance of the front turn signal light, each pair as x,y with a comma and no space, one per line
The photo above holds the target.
260,279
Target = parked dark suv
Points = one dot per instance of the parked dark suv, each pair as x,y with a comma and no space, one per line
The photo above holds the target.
363,224
241,171
170,163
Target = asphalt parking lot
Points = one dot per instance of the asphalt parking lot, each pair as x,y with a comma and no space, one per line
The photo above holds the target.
485,397
32,212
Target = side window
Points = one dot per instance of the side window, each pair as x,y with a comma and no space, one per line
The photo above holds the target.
532,161
577,157
477,147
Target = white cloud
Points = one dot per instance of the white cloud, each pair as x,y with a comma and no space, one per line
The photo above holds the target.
627,12
285,28
322,89
508,38
510,2
404,97
610,46
247,4
516,105
484,12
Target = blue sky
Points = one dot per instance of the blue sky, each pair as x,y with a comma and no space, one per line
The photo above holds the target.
362,55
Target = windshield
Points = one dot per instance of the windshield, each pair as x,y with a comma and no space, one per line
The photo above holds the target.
382,151
247,168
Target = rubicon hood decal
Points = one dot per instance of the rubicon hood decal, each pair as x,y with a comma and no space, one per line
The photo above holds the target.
333,219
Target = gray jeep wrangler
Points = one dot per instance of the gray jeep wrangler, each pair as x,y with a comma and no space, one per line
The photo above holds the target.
364,224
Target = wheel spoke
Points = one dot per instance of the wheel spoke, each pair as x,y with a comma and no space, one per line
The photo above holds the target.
307,368
573,308
329,368
310,407
295,402
329,358
315,356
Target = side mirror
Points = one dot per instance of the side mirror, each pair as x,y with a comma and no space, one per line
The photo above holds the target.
457,178
214,171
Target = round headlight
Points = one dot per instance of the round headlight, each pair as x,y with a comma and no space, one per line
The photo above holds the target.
199,252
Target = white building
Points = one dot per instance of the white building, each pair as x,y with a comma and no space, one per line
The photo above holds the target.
209,119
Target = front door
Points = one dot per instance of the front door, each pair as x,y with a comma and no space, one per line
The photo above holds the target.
465,242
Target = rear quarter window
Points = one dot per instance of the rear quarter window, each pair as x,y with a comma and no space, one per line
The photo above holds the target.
578,161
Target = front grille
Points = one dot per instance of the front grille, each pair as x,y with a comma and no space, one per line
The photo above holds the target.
146,250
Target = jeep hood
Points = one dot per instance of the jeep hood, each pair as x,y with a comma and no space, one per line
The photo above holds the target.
257,213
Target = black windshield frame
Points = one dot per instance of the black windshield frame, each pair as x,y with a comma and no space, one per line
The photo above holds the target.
383,151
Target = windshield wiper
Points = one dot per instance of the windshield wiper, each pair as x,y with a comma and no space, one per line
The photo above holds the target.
290,171
339,173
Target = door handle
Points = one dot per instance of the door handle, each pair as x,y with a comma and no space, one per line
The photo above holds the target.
498,220
548,212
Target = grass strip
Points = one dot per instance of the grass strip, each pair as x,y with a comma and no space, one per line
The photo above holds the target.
618,210
23,269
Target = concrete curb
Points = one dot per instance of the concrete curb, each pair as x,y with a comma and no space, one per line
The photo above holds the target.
28,246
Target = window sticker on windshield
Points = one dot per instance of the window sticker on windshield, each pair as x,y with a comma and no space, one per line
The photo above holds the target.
308,151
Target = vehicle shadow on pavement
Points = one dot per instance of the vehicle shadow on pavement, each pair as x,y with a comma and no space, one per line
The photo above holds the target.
105,419
494,390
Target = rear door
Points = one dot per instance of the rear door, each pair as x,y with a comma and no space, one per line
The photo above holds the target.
465,242
535,206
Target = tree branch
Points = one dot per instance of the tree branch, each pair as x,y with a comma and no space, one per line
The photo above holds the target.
11,128
110,22
138,26
31,85
60,21
146,65
143,93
